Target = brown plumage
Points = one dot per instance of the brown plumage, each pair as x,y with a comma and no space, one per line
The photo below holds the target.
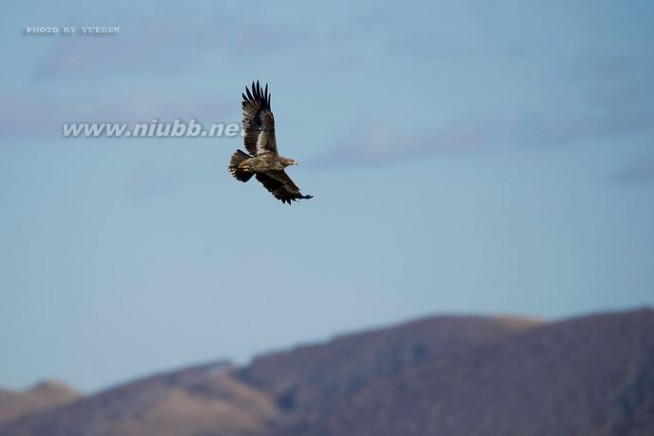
264,161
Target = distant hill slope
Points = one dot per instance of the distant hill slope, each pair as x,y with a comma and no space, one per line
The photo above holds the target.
443,375
587,376
205,400
45,395
310,378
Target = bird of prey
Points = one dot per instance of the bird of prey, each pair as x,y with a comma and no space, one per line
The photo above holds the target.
263,160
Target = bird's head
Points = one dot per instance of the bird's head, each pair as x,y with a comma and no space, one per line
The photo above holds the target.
288,162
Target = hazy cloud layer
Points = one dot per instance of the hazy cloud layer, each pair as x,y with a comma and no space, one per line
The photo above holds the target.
148,180
641,171
24,117
373,141
169,47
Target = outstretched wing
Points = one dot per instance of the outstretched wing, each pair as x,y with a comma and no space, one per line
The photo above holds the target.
281,186
258,121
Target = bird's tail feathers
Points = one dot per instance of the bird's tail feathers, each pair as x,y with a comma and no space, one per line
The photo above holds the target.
239,174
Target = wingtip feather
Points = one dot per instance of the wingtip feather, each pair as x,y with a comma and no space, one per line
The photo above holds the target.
257,93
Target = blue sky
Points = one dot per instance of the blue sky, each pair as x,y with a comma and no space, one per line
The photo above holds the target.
465,157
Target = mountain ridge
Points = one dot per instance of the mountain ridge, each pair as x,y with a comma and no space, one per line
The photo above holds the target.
44,395
479,372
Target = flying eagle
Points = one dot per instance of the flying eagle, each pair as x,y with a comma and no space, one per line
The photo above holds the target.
263,162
